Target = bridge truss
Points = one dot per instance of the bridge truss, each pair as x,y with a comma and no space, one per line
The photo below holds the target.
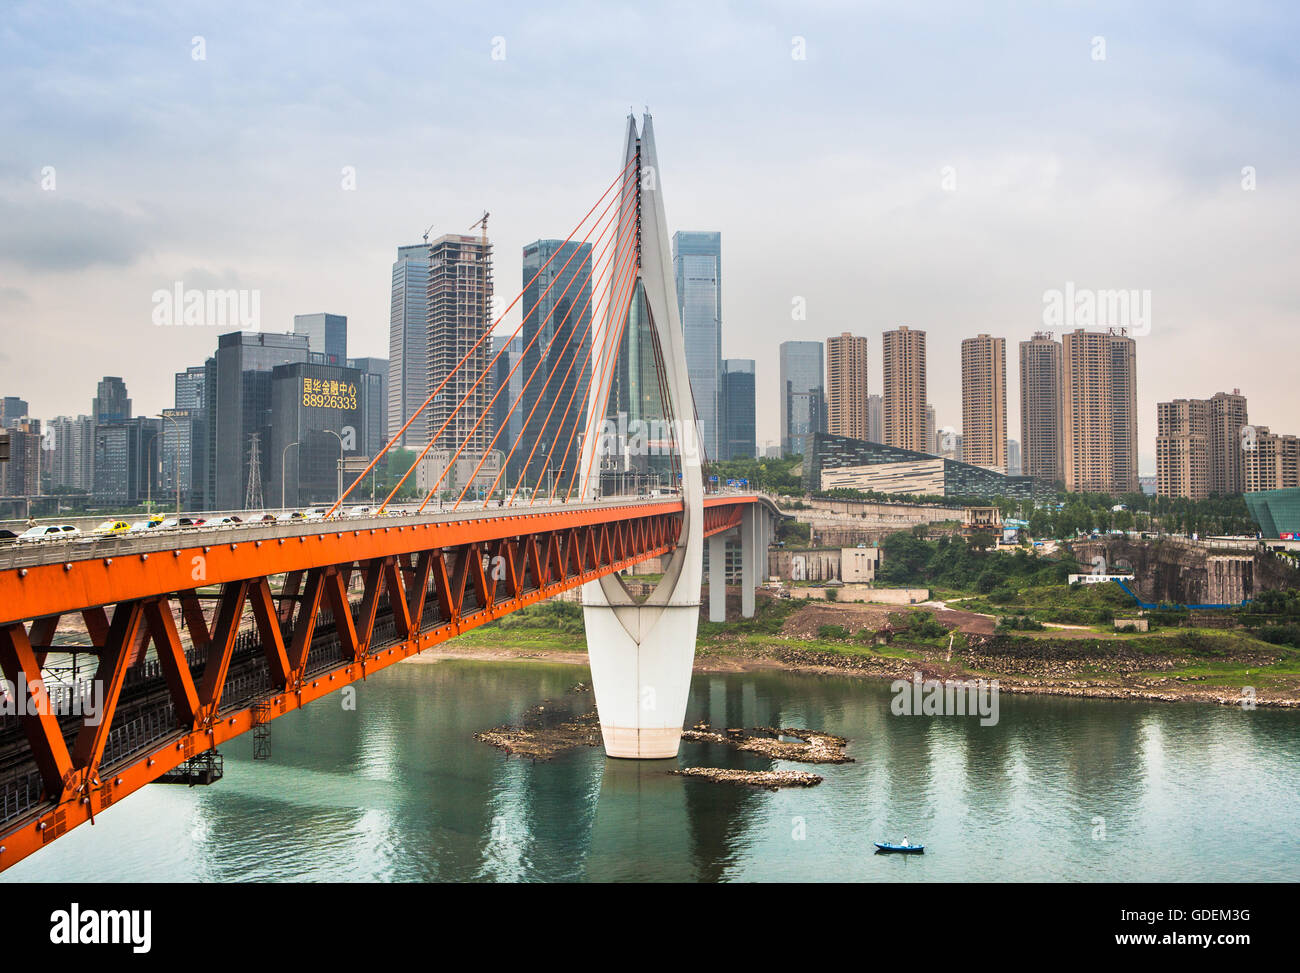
274,621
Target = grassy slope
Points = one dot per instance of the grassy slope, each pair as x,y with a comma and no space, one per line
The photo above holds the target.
1216,655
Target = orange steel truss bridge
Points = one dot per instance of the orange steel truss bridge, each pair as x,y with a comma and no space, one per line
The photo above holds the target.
330,603
197,635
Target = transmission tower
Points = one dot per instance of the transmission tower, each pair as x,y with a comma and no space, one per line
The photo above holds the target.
253,495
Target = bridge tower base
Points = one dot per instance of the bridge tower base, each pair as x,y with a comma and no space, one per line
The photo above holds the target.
642,650
641,659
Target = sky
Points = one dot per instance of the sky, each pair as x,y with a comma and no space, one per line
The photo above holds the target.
940,165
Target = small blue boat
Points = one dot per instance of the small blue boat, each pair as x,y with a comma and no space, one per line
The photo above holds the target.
884,847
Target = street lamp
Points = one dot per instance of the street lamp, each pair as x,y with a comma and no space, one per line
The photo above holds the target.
284,455
150,462
176,462
339,494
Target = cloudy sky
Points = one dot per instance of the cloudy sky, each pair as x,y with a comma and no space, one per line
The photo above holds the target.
940,165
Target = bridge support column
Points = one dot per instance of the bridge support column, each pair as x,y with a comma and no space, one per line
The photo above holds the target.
641,658
750,549
717,578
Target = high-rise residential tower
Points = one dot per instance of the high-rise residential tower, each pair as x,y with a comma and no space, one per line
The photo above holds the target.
1227,415
1270,461
408,342
697,265
1040,409
1099,409
846,386
984,401
803,393
1183,449
903,360
1199,446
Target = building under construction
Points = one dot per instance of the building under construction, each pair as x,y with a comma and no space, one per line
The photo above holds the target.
459,314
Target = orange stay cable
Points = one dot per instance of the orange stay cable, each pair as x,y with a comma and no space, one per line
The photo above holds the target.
627,267
607,367
473,387
618,180
612,252
496,394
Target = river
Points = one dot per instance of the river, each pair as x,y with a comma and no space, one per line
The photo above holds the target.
398,790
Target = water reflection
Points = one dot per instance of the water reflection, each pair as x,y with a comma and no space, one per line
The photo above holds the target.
398,790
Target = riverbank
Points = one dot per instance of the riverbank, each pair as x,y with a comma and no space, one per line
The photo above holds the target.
1173,665
1172,688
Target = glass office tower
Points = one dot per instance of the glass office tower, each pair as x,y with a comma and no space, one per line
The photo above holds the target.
697,267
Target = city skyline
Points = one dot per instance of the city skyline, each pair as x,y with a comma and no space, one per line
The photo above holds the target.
1071,188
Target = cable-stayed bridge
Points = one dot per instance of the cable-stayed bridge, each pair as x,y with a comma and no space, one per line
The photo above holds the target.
197,636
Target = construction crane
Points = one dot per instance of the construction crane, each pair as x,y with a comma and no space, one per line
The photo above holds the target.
426,232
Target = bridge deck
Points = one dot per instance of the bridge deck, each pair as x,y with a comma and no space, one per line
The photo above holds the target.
351,596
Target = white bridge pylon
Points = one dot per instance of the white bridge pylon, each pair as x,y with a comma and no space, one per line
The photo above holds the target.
642,652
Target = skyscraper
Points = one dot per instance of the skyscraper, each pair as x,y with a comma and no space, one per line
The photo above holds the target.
905,390
697,265
20,474
507,412
1013,457
72,459
373,384
322,409
327,334
803,393
459,315
189,388
408,342
556,337
846,386
738,407
12,409
241,407
1040,409
984,401
1099,408
875,419
111,403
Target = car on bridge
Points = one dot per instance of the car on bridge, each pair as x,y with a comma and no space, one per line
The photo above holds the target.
225,521
48,532
183,522
113,527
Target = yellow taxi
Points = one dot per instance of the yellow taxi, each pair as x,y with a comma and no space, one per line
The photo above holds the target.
113,527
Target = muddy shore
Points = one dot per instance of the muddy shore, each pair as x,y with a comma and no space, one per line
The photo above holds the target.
794,659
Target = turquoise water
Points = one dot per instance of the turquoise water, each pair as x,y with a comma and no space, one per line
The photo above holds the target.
398,790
